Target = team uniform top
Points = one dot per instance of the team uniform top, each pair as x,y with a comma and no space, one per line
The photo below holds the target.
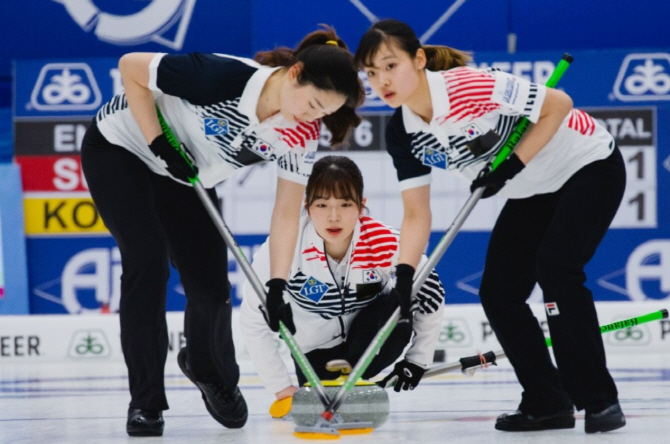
326,296
474,112
209,101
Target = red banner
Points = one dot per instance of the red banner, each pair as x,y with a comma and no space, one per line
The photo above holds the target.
51,173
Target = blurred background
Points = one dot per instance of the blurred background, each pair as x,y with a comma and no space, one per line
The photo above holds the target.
58,65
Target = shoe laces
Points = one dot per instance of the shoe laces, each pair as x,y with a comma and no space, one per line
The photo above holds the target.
222,392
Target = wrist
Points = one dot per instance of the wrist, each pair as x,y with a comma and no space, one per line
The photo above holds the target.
159,141
515,163
404,277
276,284
404,270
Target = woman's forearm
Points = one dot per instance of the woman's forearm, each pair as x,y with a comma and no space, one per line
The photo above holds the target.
416,225
284,227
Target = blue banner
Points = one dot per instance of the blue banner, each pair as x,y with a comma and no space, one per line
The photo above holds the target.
77,275
627,91
13,277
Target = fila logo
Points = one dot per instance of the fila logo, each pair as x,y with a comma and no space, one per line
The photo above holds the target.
552,309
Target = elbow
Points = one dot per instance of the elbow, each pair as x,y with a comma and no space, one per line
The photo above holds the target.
125,61
565,103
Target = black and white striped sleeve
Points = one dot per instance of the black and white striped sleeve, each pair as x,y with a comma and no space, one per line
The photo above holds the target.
296,165
201,79
411,172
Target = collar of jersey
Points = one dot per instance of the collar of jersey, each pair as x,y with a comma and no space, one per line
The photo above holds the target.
252,92
439,99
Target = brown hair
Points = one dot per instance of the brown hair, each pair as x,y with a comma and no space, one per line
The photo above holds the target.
336,176
329,67
439,58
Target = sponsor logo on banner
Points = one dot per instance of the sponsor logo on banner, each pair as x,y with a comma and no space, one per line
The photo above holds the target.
51,173
48,216
631,336
313,289
89,344
537,72
19,345
66,87
90,282
630,127
455,333
665,329
643,77
49,137
648,271
150,23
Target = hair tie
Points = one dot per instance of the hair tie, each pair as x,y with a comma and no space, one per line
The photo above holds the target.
332,42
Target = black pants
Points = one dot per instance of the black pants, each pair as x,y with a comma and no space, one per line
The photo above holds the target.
363,329
549,239
153,220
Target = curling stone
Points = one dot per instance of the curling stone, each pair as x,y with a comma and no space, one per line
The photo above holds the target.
365,403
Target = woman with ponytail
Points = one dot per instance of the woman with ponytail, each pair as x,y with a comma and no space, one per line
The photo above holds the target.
564,181
228,113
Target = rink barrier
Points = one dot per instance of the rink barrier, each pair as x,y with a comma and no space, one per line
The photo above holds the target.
465,330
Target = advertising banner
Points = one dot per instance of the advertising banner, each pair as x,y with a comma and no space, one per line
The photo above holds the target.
13,277
627,92
81,274
86,340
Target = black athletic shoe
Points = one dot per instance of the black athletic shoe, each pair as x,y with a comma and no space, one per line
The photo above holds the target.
522,422
610,418
226,406
144,423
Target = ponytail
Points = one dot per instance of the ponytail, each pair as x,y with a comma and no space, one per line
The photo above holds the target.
328,65
441,58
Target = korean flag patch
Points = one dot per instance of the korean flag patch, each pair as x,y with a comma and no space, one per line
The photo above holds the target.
471,131
262,148
371,276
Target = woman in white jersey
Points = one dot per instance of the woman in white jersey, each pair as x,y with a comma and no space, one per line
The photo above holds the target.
228,112
564,182
338,294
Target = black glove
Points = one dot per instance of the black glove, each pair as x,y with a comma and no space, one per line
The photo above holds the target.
177,166
277,309
496,179
405,376
402,292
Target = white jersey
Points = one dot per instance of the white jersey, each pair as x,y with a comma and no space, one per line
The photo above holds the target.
474,112
325,297
209,101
